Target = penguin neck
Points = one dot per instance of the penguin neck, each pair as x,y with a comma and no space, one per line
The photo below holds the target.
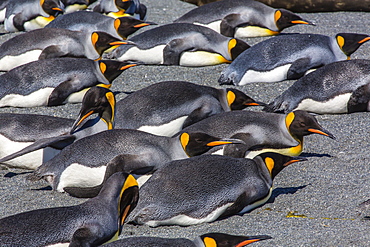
176,151
90,51
296,150
222,97
264,171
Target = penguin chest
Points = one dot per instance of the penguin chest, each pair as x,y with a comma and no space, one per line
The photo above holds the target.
253,31
9,62
293,151
28,161
153,55
212,25
338,104
36,98
201,58
274,75
185,220
38,22
79,175
165,129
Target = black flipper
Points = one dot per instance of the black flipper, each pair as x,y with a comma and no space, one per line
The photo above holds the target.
300,67
52,51
58,142
63,90
228,24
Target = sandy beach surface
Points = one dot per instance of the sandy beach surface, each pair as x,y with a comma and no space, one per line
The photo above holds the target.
314,203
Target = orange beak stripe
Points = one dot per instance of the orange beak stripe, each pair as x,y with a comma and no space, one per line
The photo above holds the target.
141,25
364,40
253,103
244,243
128,66
217,143
84,117
57,9
317,132
118,43
291,162
300,22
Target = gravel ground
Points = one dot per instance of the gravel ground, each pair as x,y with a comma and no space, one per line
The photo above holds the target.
314,203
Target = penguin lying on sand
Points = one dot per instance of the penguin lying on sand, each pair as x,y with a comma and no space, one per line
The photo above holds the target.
91,223
339,87
205,240
51,43
165,108
57,81
221,186
180,44
261,131
22,134
91,22
100,155
288,57
26,15
242,18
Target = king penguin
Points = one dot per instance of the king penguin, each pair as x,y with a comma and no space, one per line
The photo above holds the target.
21,134
288,57
213,239
92,223
180,44
27,15
91,160
89,22
339,87
54,42
57,81
164,108
242,18
261,131
221,186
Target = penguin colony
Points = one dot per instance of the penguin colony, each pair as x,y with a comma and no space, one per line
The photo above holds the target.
175,120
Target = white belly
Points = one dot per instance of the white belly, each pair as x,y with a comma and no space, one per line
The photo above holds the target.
58,245
9,62
37,98
149,56
184,220
77,175
275,75
335,105
76,97
8,24
2,15
201,58
253,31
28,161
168,129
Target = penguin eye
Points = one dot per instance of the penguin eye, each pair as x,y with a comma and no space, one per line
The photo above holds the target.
302,124
198,140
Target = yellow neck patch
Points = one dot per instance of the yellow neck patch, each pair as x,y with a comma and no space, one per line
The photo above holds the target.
340,41
232,44
184,140
277,15
111,100
117,23
209,242
269,164
103,67
289,119
230,97
94,38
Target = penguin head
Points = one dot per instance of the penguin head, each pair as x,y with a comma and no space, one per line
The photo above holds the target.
237,100
98,100
52,7
359,100
236,46
103,41
276,162
111,68
284,18
126,26
350,42
123,5
301,123
123,189
227,240
197,143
